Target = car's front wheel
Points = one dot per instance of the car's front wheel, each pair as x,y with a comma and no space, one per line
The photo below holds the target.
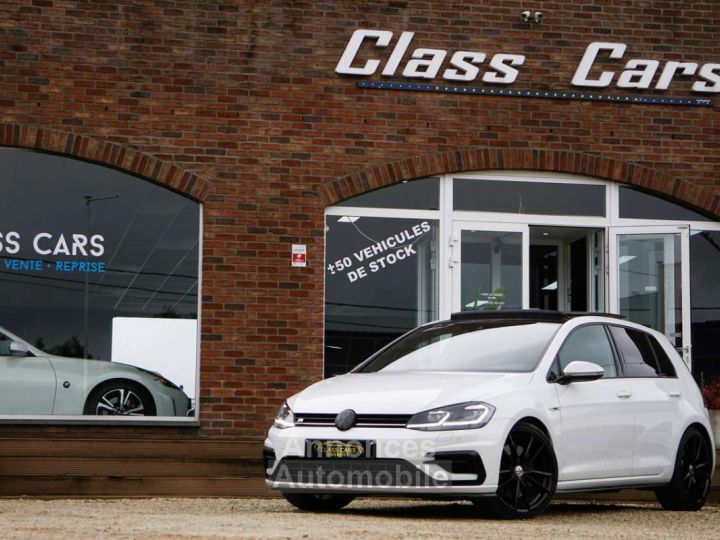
120,398
528,475
690,482
318,502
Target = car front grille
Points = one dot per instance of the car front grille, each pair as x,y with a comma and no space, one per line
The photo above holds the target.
361,420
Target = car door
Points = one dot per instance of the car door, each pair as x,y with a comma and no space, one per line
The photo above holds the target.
657,396
597,416
27,383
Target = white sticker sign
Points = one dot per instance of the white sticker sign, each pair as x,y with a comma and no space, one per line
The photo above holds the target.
299,255
380,255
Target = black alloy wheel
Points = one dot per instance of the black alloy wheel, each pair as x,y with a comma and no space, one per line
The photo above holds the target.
318,502
528,475
690,482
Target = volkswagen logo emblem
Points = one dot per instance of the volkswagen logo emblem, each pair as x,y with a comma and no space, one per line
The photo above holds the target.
345,420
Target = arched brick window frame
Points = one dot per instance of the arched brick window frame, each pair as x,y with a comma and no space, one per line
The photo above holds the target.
479,159
104,153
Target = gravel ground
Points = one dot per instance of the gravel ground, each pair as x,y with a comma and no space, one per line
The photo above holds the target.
364,518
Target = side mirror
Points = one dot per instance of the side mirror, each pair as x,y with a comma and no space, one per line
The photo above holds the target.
19,349
579,371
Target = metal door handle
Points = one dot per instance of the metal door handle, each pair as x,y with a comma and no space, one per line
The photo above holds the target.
674,395
623,394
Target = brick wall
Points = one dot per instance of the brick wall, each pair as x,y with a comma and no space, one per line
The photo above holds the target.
242,96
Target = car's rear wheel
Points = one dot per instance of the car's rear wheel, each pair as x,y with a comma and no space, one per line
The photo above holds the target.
120,398
690,482
528,475
318,502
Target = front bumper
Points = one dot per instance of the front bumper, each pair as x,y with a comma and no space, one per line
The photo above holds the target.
463,462
170,401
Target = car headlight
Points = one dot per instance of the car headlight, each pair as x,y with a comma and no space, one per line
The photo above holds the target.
162,380
284,417
470,415
154,375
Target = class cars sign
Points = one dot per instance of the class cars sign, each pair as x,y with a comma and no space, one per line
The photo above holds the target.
46,244
464,66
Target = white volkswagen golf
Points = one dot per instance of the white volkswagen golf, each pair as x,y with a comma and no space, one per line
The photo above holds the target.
505,408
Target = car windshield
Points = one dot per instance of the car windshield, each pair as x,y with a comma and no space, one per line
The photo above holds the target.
466,346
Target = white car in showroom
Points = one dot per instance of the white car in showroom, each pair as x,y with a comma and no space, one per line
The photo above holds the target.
33,382
505,408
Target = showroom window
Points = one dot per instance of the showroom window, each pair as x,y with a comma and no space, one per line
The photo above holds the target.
520,239
380,283
100,283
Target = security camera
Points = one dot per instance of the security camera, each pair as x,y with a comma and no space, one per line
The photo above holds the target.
538,17
526,16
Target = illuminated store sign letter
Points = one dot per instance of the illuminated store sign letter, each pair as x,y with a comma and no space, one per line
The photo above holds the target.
666,77
397,55
345,64
426,63
583,70
639,74
710,73
462,66
504,72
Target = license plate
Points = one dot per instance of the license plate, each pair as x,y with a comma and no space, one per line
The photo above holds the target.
336,449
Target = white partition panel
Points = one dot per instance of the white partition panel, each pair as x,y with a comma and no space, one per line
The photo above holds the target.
167,346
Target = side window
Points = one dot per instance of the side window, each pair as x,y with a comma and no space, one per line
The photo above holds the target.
636,351
665,365
589,344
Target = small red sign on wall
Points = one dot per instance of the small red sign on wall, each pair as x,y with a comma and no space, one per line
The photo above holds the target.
299,255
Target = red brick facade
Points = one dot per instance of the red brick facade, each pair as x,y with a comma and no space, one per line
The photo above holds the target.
237,104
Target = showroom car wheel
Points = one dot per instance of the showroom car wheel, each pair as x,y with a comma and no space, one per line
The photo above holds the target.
318,502
528,475
690,483
120,398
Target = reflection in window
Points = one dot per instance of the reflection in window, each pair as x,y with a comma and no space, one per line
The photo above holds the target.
640,205
536,197
98,264
419,195
637,353
491,270
467,346
589,344
380,282
649,281
705,302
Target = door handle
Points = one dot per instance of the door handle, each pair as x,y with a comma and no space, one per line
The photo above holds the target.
623,394
674,395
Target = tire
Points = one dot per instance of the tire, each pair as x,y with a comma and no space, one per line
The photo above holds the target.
528,476
318,502
690,483
120,398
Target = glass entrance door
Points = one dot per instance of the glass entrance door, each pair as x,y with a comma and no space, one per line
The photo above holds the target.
489,266
650,280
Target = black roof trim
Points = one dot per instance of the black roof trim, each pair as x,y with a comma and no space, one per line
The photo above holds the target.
538,315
